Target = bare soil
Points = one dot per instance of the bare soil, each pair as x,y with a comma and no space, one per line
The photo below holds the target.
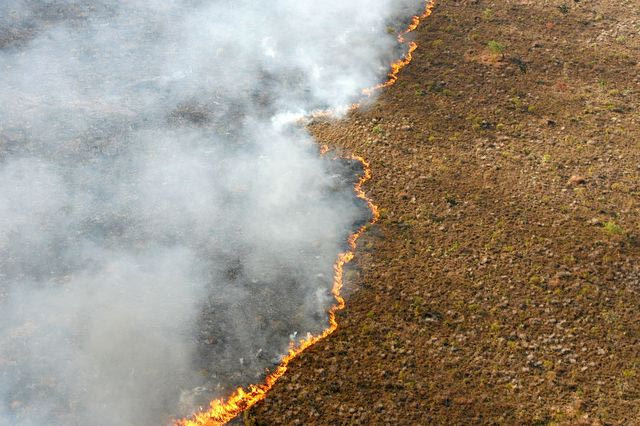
502,283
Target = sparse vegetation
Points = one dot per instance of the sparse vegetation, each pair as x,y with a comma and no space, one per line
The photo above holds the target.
504,294
612,228
496,47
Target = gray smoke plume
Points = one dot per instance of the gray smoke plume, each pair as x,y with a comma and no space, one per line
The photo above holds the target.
165,231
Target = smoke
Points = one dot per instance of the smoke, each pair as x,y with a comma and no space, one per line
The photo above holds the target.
163,235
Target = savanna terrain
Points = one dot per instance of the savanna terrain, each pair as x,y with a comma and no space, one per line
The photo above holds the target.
502,282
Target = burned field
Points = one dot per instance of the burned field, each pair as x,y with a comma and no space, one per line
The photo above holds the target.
168,227
278,309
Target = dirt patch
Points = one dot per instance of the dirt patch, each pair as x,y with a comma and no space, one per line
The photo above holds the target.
502,282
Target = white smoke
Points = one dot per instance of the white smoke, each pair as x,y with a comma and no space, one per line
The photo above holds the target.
161,229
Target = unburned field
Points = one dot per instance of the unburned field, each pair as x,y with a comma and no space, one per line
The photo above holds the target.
502,282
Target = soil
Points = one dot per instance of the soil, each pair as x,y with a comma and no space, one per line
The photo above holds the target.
502,283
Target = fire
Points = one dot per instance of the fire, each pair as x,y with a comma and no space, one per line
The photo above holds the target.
397,66
324,148
220,410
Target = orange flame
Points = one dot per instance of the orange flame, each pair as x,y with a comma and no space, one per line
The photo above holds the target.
222,411
324,148
397,66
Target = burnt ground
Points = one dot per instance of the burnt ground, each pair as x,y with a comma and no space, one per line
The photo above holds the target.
502,283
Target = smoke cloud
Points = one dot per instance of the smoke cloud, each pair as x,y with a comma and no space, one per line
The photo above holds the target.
164,230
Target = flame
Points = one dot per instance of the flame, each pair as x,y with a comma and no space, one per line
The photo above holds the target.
398,65
222,411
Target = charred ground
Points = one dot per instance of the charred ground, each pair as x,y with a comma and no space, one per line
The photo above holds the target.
502,282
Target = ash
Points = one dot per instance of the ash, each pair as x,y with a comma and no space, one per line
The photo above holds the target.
164,233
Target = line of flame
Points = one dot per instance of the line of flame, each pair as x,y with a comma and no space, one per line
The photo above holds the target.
398,65
222,411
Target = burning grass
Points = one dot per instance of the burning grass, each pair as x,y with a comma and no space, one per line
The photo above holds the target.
223,410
